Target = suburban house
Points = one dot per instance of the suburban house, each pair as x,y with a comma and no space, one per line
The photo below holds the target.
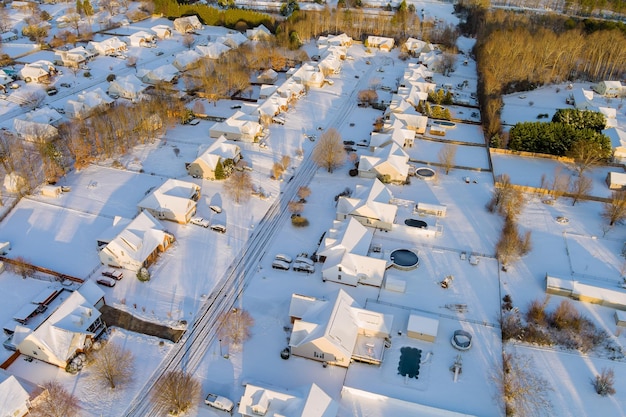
213,50
142,39
616,181
308,75
86,103
404,138
266,91
258,33
261,401
37,125
582,99
68,331
162,31
269,76
186,60
342,40
18,395
138,244
382,43
75,57
609,88
291,90
370,205
129,87
232,40
167,73
330,64
618,142
416,46
273,105
175,201
217,153
389,163
39,71
187,24
337,331
344,253
108,46
237,127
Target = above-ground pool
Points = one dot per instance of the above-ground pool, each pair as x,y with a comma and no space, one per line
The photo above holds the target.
445,123
420,224
425,173
404,259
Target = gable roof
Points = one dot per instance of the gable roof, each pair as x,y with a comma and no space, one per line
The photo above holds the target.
16,393
173,195
219,149
371,201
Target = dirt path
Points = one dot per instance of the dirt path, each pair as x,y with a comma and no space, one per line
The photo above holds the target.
119,318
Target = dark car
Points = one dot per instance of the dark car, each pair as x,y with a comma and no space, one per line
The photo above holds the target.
107,282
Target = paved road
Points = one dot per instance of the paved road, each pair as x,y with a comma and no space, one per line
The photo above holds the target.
191,349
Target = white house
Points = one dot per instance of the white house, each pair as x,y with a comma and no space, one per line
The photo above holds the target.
382,43
416,46
68,331
344,253
219,151
258,33
142,39
18,395
186,59
87,102
616,181
404,138
232,40
162,31
342,40
409,120
618,142
261,401
37,125
39,71
269,76
138,244
237,127
108,46
174,200
609,88
370,205
75,57
582,99
187,24
167,73
338,331
213,50
129,87
389,163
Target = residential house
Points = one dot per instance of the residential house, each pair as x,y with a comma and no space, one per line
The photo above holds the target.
167,73
108,46
237,127
582,99
610,114
269,76
86,103
616,181
162,31
232,40
75,57
129,87
308,75
344,251
330,64
142,39
186,60
39,71
341,40
291,90
266,91
138,244
259,33
618,142
397,134
213,50
174,200
410,120
68,331
588,292
338,331
370,205
187,24
272,106
18,395
261,401
205,164
609,88
416,46
37,125
389,163
382,43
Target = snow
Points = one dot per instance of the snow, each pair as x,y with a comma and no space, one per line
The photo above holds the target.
61,233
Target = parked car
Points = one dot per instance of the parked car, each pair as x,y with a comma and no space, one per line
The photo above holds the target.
304,260
216,209
219,402
199,221
278,264
107,282
113,273
302,267
283,257
218,228
51,91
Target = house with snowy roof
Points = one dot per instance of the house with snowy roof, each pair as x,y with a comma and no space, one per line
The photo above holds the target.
162,31
609,88
370,205
269,76
167,73
68,331
380,42
308,75
338,331
416,46
39,71
344,253
138,244
258,400
129,87
391,163
218,152
108,46
341,40
142,38
37,125
187,24
618,142
258,33
186,60
237,127
18,395
232,40
213,50
410,119
174,200
396,134
86,103
75,57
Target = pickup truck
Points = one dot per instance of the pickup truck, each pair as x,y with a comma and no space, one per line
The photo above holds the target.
219,402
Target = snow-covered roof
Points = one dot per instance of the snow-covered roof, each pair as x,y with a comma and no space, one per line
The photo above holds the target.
128,86
219,149
174,195
213,50
232,40
258,400
16,394
185,59
617,136
108,46
165,73
258,33
380,42
371,201
187,24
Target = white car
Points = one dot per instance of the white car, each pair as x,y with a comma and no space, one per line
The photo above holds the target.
199,221
278,264
284,258
303,267
216,209
113,273
304,260
218,228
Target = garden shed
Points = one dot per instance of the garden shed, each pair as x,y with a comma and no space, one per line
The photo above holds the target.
620,318
422,327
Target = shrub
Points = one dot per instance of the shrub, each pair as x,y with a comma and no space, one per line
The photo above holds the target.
535,334
299,221
536,312
604,382
87,74
566,317
110,77
507,303
511,326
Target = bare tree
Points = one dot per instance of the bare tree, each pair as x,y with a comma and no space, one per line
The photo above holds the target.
560,183
586,154
285,160
511,245
580,188
525,393
295,207
239,186
55,402
303,193
367,96
277,170
614,211
506,199
235,327
5,21
446,155
188,40
604,382
177,392
329,152
22,267
113,365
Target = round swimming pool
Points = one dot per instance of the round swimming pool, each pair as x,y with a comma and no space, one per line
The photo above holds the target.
425,173
420,224
445,123
404,259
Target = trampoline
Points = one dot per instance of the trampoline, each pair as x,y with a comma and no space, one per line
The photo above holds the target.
461,340
404,259
425,173
409,364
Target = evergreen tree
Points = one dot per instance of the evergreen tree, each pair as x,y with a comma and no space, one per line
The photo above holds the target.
79,7
87,8
219,171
